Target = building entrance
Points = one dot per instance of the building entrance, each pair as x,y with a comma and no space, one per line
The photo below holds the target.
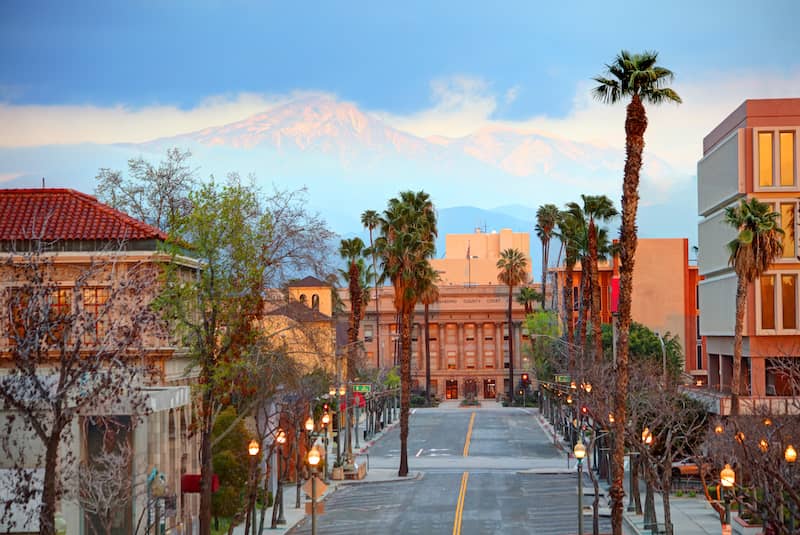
451,389
470,388
489,389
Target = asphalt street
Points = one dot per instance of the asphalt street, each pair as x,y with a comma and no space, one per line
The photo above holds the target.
482,471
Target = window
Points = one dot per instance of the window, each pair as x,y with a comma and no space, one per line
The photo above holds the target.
94,301
303,299
765,159
777,297
368,333
699,356
787,159
787,211
315,302
575,298
776,159
768,301
788,301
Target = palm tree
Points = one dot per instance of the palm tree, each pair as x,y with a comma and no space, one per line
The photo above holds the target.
527,297
513,268
429,294
758,244
408,231
636,76
546,220
352,250
569,228
371,220
595,208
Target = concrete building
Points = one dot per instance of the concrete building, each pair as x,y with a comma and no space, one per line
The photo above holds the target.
468,331
664,294
752,153
78,231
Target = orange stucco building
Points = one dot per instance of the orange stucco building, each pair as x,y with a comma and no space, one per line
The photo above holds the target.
752,153
468,331
664,294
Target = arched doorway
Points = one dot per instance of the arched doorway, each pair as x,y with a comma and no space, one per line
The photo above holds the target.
451,389
470,388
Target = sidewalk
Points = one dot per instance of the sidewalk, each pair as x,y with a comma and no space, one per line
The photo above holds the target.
690,516
295,516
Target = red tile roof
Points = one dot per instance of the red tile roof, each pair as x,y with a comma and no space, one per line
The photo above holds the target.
66,214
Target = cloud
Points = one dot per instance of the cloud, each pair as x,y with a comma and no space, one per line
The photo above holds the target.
461,105
8,177
25,126
512,94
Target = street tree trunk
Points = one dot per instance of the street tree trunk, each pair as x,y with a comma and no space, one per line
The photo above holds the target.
569,306
510,348
545,265
741,302
594,278
635,126
206,462
405,388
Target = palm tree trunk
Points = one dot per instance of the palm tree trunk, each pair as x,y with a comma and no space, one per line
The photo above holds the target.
741,301
427,357
569,306
545,265
594,280
510,348
635,126
405,387
585,303
555,279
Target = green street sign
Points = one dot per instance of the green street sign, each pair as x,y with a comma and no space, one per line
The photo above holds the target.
562,378
362,388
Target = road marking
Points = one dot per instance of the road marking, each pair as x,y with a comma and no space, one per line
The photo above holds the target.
419,453
469,434
462,492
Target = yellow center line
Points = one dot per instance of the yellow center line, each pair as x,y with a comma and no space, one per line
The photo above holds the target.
460,503
469,434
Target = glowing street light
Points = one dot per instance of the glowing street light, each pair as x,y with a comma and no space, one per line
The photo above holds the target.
580,453
727,478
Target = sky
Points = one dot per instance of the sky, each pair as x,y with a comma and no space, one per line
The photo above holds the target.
132,71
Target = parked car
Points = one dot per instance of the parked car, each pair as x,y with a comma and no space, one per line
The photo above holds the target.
688,467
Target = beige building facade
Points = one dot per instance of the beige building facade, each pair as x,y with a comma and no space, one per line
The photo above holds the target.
468,325
753,153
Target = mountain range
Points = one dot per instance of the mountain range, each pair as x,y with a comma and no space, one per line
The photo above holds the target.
350,160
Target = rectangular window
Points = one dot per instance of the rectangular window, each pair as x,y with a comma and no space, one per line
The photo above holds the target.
94,301
765,159
788,226
699,357
768,301
575,298
789,301
786,146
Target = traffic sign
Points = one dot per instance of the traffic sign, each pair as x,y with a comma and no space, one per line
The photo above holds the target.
562,378
362,388
320,508
320,487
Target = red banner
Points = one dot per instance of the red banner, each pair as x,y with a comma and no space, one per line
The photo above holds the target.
191,483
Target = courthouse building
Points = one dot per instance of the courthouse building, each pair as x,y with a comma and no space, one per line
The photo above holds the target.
468,330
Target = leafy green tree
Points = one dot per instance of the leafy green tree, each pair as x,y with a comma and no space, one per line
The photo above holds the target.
645,345
408,231
231,463
758,243
544,332
569,231
241,243
513,271
546,220
638,77
352,250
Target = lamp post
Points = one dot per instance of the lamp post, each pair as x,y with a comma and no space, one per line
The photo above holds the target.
727,477
280,438
253,449
580,453
313,461
790,455
663,359
326,422
650,520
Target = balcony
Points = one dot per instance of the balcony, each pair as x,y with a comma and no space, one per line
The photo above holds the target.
720,402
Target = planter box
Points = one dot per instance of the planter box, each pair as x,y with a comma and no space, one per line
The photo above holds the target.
337,473
741,527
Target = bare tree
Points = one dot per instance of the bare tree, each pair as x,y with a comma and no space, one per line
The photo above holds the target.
71,348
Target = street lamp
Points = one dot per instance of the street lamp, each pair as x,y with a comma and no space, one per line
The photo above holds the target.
253,449
580,453
727,477
280,438
790,454
313,461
